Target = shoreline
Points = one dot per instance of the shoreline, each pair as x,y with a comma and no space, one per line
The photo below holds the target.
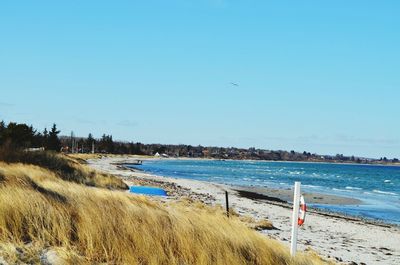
310,209
339,237
258,193
286,195
145,157
315,199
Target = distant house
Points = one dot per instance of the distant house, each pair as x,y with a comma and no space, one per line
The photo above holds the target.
157,155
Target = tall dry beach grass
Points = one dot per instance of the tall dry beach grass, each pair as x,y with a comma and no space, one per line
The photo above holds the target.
65,167
41,213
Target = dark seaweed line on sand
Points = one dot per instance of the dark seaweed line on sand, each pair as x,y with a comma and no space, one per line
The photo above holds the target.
276,201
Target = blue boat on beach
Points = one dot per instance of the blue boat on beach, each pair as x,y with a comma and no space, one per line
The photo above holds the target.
146,190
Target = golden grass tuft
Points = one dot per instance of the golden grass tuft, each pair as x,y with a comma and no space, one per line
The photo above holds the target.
263,225
41,213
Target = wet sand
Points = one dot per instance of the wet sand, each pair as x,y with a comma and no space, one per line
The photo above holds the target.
286,195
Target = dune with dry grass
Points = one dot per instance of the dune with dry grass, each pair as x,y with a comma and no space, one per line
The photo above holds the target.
65,167
45,218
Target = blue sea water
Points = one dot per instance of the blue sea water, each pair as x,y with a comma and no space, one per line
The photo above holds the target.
377,186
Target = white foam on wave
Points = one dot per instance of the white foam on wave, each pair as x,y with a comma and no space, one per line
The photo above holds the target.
387,180
335,189
384,192
312,186
353,188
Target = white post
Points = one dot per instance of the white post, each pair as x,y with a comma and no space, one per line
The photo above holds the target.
295,216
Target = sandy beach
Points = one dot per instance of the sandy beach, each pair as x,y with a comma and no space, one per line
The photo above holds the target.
347,240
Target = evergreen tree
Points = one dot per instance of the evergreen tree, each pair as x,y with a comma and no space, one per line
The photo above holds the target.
106,144
2,131
53,143
89,142
20,135
45,133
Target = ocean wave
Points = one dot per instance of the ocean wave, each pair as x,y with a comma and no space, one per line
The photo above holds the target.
311,186
387,180
335,189
384,192
196,174
353,188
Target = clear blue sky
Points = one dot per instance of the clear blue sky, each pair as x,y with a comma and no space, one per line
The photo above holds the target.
321,76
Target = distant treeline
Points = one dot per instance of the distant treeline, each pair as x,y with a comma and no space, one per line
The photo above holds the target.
24,136
20,135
